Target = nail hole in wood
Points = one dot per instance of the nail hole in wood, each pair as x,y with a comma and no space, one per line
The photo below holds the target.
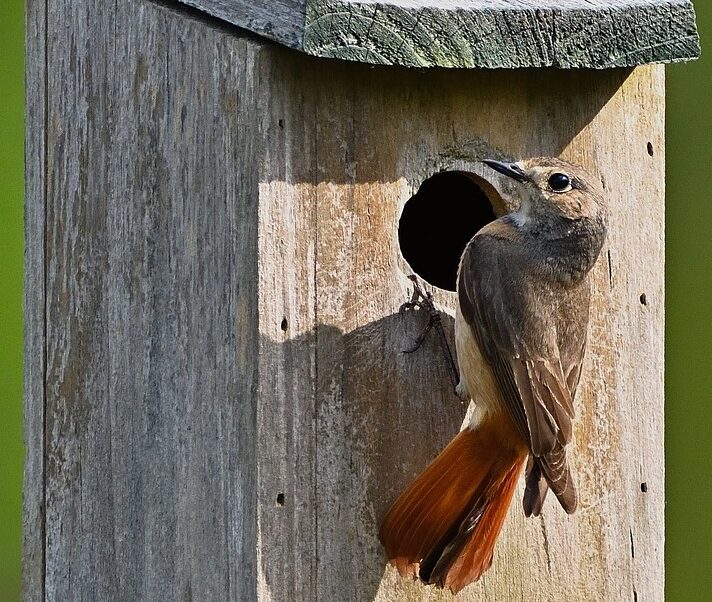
281,123
644,487
280,499
643,299
651,150
284,325
439,221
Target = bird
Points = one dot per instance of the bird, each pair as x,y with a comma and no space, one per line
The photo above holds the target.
523,296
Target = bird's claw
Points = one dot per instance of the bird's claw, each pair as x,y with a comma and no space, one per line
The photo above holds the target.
420,300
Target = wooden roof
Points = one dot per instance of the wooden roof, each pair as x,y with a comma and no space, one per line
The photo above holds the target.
473,33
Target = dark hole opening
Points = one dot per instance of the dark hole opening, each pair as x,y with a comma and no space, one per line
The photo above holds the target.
438,222
280,499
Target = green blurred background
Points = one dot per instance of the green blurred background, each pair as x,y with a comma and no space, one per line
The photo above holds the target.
11,236
689,314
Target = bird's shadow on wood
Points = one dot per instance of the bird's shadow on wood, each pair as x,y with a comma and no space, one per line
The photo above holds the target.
379,416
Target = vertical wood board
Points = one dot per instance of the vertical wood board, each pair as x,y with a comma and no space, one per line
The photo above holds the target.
151,308
34,304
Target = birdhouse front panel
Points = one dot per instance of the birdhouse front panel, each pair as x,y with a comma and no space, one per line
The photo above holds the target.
346,419
223,393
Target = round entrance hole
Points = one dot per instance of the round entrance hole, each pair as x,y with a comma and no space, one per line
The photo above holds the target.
439,221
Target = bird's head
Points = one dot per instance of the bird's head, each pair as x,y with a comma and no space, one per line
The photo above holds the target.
554,191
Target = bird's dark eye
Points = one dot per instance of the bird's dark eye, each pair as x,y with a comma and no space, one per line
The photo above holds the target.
559,182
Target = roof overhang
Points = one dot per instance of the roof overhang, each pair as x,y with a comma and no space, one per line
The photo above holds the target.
597,34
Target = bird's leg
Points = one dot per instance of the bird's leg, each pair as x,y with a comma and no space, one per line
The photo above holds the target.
420,300
424,300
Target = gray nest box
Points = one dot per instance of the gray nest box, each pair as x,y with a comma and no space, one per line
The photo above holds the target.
225,200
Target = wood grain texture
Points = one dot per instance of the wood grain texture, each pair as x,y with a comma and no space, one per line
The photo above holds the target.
474,33
278,20
34,303
151,309
228,411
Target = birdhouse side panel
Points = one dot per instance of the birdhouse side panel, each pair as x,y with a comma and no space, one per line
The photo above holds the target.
34,303
143,422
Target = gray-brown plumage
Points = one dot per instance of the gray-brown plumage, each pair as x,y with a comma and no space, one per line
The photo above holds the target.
520,332
524,292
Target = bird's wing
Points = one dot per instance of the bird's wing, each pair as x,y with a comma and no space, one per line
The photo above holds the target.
517,336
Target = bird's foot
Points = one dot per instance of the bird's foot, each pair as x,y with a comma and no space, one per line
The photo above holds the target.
423,300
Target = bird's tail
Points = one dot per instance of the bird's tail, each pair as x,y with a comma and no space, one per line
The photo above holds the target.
443,528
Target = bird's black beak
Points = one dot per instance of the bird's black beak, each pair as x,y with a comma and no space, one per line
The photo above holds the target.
508,169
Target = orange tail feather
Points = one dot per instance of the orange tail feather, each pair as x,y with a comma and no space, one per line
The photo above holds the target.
443,528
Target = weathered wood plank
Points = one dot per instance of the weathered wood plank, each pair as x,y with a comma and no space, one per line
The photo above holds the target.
286,438
474,33
151,319
634,376
364,378
34,303
77,343
280,20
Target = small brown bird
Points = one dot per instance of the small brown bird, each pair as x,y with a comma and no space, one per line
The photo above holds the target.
520,334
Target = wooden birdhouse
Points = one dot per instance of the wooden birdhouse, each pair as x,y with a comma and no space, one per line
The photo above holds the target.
225,201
